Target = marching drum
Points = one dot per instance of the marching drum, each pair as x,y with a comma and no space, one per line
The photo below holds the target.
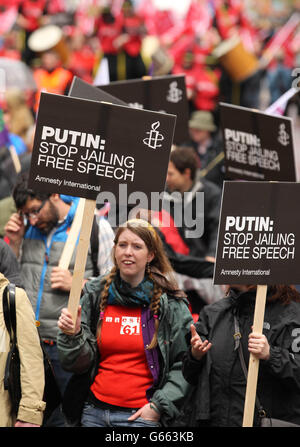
149,45
235,59
49,37
162,62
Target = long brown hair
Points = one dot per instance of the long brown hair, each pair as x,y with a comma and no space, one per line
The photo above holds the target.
159,271
280,292
284,293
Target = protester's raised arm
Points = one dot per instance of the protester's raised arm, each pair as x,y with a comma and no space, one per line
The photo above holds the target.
14,231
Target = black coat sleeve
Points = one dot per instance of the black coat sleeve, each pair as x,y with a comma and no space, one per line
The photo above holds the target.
191,367
188,265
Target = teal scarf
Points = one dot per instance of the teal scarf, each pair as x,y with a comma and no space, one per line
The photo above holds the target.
121,293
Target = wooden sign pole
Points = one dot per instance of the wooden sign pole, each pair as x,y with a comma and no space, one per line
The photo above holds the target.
259,313
15,159
81,255
72,237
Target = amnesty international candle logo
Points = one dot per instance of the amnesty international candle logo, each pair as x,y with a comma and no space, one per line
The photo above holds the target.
259,234
155,138
283,136
174,94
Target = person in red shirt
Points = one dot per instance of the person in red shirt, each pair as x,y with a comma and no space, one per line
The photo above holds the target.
140,320
130,41
108,30
82,58
202,82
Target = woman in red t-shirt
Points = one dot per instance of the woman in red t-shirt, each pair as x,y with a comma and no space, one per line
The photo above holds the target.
132,326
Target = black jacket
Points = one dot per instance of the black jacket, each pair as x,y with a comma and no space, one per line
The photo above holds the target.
195,218
211,163
192,266
218,376
9,264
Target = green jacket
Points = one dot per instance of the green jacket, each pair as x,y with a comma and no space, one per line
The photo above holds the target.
78,353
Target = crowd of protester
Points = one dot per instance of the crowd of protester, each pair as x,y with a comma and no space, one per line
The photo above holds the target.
137,39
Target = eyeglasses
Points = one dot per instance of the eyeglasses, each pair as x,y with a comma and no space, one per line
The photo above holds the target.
33,213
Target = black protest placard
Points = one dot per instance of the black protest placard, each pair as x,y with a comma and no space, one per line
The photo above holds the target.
257,146
259,234
82,147
83,90
165,94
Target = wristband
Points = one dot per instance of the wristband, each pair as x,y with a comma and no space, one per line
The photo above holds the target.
154,407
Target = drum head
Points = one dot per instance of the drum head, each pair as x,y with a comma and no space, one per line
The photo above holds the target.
149,46
45,38
226,46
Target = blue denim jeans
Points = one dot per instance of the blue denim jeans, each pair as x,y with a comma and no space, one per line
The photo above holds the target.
93,416
62,377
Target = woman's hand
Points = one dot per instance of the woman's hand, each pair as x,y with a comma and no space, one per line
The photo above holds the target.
199,347
259,346
147,413
65,322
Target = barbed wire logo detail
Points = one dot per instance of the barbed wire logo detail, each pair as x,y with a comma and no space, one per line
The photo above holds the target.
283,136
135,105
174,94
155,138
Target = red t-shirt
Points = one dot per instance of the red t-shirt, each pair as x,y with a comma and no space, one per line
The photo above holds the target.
123,376
108,33
132,28
32,11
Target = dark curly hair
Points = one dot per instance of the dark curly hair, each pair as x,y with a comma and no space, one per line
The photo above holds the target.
21,193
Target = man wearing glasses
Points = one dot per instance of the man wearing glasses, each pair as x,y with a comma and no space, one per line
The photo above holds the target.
37,234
